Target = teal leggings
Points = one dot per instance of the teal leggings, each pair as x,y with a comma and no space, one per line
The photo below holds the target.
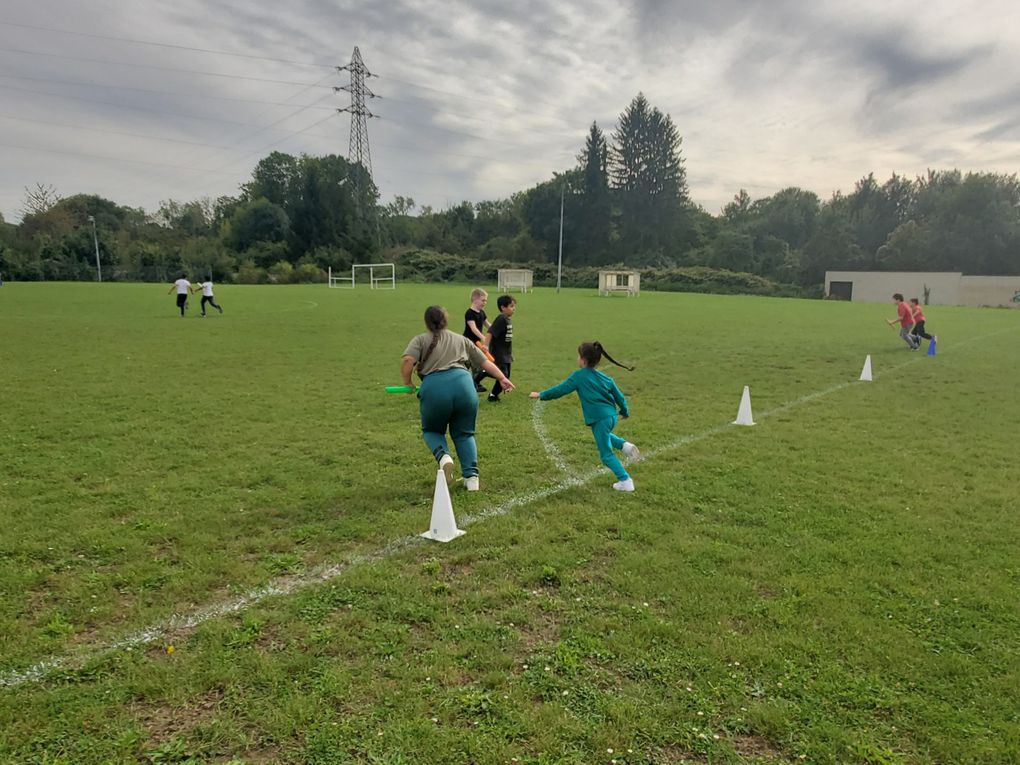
449,400
606,441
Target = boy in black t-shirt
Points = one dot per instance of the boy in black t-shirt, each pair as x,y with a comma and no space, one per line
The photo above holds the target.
500,340
475,324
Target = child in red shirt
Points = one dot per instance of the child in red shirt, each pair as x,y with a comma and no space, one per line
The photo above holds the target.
918,330
906,319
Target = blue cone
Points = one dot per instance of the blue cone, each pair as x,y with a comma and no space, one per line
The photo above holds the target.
931,347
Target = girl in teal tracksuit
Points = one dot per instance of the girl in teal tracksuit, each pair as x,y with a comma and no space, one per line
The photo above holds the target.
600,398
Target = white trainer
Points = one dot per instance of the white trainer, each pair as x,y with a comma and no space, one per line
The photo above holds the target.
471,483
631,451
627,485
446,465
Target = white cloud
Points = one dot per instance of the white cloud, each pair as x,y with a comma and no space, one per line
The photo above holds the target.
482,99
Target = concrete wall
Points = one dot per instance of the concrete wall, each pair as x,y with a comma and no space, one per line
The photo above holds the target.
946,288
879,286
990,290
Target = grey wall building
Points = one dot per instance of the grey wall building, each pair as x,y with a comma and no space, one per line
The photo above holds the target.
935,288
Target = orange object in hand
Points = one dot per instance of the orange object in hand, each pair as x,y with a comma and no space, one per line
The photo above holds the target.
483,349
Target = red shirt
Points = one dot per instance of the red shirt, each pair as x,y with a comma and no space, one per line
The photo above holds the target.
906,317
918,313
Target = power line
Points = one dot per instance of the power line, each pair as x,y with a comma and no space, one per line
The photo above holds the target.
151,66
106,157
164,45
79,83
116,132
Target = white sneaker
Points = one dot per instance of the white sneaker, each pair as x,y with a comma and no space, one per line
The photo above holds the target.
627,485
631,451
446,465
471,483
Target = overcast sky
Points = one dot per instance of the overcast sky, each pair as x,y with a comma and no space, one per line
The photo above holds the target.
141,101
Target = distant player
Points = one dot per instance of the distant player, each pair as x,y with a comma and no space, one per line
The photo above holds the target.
207,296
183,286
918,330
906,319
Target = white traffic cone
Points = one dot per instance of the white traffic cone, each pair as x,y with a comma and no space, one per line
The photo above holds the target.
443,526
744,412
866,372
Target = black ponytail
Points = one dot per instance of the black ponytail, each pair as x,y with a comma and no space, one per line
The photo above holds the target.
592,354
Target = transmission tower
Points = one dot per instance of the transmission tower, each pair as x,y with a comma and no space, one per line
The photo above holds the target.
358,151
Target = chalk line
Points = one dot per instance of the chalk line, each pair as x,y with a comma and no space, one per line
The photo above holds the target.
327,572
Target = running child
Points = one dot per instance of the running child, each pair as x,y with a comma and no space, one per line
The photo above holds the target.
600,398
207,295
183,286
906,319
500,340
475,324
918,330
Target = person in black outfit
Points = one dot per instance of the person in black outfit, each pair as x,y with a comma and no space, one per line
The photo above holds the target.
475,324
500,340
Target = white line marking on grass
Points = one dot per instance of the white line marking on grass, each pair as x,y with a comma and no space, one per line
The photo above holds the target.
325,573
547,443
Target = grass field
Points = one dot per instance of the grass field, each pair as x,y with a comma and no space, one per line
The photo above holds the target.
209,545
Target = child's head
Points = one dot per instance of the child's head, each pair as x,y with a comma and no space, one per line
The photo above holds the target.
914,301
897,297
506,304
590,354
479,296
435,318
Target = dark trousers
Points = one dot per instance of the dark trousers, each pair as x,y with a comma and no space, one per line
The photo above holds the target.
209,299
182,302
918,331
504,367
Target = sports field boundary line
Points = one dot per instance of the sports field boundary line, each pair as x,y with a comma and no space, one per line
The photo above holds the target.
283,586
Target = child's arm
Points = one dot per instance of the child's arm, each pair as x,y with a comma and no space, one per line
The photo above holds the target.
567,386
474,328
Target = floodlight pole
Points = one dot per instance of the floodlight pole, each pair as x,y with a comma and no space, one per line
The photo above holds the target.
559,267
95,240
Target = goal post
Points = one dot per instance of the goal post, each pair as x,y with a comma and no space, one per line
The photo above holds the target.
514,278
381,276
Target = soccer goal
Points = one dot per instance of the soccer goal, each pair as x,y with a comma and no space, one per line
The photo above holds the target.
514,278
381,276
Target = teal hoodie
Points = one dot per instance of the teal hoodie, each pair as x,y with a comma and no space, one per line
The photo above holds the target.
598,393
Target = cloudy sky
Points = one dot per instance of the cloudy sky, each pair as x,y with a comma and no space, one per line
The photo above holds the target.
142,101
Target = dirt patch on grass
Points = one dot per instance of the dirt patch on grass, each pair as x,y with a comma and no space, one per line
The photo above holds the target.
756,747
163,723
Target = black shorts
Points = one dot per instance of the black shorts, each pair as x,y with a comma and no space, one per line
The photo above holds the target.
181,300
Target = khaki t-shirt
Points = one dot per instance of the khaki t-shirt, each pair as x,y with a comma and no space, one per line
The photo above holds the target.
452,350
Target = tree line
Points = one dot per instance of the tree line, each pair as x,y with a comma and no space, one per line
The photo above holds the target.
626,202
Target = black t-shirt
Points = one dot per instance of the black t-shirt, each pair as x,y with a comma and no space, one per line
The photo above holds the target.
478,317
501,347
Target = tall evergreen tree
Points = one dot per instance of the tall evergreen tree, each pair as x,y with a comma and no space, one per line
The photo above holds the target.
646,169
596,205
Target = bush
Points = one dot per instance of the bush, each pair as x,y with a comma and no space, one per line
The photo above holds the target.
430,266
249,273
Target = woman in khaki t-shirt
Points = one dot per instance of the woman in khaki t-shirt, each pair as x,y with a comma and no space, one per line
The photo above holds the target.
447,393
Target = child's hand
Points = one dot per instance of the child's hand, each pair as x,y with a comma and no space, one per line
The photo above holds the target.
533,394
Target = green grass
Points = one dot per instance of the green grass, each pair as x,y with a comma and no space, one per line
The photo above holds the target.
838,584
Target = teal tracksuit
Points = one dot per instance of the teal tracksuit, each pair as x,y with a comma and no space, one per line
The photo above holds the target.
600,398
